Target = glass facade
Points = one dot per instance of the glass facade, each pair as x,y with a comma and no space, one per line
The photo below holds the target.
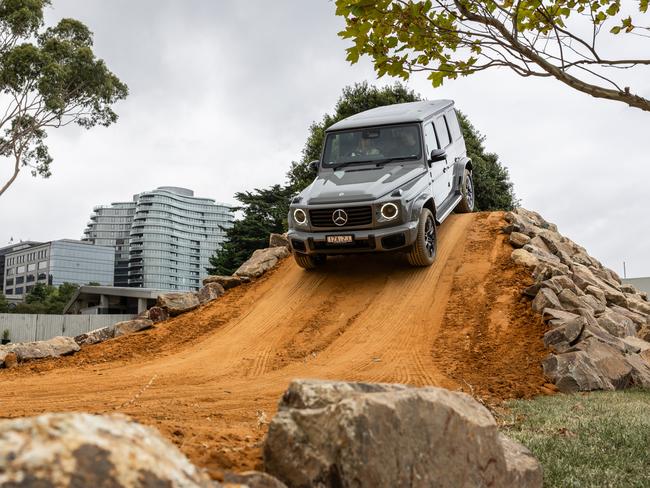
55,263
164,238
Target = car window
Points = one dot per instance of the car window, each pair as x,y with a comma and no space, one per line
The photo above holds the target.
430,138
452,123
442,133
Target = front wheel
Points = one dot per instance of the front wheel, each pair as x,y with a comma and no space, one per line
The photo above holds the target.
307,261
423,252
466,204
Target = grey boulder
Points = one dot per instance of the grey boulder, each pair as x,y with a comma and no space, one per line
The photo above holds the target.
574,371
616,324
78,449
131,326
210,292
52,348
335,434
545,298
95,336
226,281
562,336
277,240
176,303
261,261
517,239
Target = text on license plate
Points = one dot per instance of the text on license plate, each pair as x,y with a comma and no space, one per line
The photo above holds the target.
339,239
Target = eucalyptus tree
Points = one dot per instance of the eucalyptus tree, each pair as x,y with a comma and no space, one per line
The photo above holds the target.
49,78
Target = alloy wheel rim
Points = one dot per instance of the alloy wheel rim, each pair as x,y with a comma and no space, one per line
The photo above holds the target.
430,237
469,191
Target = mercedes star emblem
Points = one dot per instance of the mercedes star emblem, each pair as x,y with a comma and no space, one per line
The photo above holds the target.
339,217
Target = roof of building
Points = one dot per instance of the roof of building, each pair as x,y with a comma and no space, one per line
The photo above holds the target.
393,114
18,246
119,291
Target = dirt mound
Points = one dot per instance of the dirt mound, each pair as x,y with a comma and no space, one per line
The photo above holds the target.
210,379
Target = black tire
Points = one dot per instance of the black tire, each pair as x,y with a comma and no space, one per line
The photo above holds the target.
466,204
423,251
307,261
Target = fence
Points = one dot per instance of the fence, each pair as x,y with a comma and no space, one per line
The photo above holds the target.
36,327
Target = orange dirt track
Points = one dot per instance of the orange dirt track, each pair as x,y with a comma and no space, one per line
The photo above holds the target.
210,380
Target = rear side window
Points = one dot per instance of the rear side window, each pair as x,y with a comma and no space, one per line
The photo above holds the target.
442,133
430,138
452,123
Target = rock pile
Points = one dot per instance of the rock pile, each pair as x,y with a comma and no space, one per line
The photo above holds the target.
336,434
599,328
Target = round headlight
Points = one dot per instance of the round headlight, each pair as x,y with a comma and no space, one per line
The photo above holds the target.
389,211
299,216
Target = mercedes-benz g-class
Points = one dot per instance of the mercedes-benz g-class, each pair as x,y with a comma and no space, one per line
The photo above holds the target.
386,178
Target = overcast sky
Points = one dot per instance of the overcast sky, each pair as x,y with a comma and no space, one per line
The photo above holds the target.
222,94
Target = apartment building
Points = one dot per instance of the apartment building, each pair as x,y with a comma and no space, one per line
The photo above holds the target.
163,239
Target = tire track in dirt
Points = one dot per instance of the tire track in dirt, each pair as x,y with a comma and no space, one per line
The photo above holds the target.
220,370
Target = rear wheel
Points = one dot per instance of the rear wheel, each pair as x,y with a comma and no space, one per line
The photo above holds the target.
423,251
466,204
308,261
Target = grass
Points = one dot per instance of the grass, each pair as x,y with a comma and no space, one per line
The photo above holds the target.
599,439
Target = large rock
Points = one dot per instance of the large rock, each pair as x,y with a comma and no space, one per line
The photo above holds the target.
210,292
131,326
545,298
574,371
52,348
517,239
226,281
177,303
559,283
637,305
616,324
610,362
560,338
644,333
95,336
639,319
278,240
156,314
83,450
335,434
261,261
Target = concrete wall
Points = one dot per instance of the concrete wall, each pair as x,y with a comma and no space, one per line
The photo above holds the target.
35,327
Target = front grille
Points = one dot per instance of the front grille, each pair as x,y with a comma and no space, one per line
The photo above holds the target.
322,217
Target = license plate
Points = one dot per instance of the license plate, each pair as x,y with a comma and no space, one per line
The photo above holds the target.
339,239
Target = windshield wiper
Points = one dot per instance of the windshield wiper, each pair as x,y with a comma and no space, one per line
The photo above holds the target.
350,163
381,162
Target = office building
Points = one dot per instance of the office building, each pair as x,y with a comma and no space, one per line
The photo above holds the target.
6,250
55,263
168,235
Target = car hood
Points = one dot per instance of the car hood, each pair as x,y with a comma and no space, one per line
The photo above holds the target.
355,184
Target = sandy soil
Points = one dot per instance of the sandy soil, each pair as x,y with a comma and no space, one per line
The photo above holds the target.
210,380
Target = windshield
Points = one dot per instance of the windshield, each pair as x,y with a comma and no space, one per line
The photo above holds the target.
372,145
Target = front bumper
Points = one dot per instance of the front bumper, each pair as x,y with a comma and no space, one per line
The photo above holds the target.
366,240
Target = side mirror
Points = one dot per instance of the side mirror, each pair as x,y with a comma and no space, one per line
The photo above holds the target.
313,166
437,155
